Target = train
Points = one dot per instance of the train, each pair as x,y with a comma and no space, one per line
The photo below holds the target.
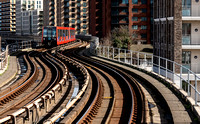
55,35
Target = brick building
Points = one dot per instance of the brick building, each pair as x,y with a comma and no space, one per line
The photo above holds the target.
108,14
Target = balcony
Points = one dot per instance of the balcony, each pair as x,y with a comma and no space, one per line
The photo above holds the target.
191,41
186,11
191,13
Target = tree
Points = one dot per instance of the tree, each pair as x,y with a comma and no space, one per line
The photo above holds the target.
120,37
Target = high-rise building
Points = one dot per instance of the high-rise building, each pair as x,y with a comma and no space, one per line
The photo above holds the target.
7,17
105,15
46,13
70,13
29,17
176,32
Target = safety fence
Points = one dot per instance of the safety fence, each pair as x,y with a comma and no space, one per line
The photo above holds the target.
184,78
11,48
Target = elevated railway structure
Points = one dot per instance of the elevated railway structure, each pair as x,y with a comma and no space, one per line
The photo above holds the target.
67,84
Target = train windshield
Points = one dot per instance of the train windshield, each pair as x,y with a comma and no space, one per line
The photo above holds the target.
45,32
49,32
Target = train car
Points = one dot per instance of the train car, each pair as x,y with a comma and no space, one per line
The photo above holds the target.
53,36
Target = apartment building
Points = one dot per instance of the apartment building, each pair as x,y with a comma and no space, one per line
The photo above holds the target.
29,17
108,14
70,13
176,32
7,17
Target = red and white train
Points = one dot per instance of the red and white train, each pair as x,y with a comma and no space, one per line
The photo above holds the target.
54,36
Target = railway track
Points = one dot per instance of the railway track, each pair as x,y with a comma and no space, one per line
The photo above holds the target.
51,83
113,98
138,114
71,87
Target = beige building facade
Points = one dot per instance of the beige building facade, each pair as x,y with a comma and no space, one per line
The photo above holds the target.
7,17
70,13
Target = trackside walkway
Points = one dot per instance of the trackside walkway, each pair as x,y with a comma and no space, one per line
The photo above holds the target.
178,111
11,71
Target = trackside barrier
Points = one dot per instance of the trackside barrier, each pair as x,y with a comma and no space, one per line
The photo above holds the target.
4,58
182,77
74,100
33,112
11,48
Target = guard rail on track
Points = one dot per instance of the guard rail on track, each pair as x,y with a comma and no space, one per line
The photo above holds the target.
11,48
179,75
39,106
74,100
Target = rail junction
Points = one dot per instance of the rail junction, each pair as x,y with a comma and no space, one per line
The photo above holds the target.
68,84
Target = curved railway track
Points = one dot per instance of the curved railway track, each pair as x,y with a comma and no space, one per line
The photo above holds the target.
51,84
38,83
138,114
70,87
123,96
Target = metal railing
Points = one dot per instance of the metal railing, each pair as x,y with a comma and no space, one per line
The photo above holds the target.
183,77
11,48
3,59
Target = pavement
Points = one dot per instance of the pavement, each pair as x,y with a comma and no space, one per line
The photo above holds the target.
178,111
10,72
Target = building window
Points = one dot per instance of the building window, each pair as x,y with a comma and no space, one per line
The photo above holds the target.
125,10
186,60
143,18
135,27
84,9
186,7
186,33
143,27
144,1
144,10
134,18
125,19
135,1
124,1
143,35
134,10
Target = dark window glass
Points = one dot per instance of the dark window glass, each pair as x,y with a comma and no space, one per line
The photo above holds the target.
45,32
54,32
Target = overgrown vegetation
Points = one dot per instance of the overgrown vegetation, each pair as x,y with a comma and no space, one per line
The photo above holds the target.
120,37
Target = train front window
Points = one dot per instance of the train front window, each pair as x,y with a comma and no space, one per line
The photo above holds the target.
49,33
45,32
54,32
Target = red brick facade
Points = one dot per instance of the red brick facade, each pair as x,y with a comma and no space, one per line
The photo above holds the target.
107,14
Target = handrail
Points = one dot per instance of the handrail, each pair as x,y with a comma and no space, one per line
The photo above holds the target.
162,66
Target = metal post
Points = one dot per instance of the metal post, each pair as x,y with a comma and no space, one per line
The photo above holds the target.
181,77
138,59
103,51
166,68
99,51
131,58
124,56
195,90
159,65
188,81
119,54
113,55
108,52
152,62
145,60
174,72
